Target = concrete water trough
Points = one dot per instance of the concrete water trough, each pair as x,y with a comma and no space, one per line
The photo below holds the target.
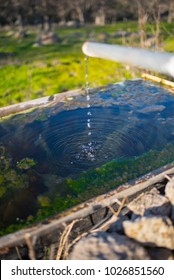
71,165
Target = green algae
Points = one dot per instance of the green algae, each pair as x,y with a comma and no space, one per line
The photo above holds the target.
10,178
26,163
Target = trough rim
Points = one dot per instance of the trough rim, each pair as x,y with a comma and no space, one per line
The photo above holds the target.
129,190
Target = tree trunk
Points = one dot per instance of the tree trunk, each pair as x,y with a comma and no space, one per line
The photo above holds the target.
171,12
80,15
20,25
46,24
100,18
157,31
142,20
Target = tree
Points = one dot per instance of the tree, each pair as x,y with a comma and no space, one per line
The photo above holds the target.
98,11
156,9
142,11
170,11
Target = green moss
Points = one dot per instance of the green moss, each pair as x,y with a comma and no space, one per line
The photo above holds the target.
42,116
1,179
2,191
26,163
44,201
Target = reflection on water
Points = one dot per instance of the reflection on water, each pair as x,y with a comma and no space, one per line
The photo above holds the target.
119,123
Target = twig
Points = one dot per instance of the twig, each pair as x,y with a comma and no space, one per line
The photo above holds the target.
30,246
18,252
103,225
113,219
60,248
121,206
116,213
64,239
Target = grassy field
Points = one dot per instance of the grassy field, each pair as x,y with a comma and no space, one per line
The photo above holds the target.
28,72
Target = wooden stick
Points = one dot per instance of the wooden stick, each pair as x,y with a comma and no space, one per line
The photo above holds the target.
18,253
158,80
128,190
29,243
120,207
64,238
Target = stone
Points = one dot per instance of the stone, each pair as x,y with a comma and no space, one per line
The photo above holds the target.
36,45
150,203
160,253
73,23
152,108
19,34
118,225
105,246
121,33
152,231
48,39
169,192
103,37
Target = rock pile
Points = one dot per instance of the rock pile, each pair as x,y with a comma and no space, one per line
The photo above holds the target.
145,232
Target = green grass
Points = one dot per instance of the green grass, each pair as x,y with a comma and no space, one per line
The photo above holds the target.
27,72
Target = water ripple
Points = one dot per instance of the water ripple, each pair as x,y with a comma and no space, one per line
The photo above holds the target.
111,136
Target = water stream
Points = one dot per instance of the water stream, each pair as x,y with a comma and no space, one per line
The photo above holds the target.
89,150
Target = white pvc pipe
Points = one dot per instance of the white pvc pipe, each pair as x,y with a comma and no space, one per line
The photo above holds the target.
161,62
